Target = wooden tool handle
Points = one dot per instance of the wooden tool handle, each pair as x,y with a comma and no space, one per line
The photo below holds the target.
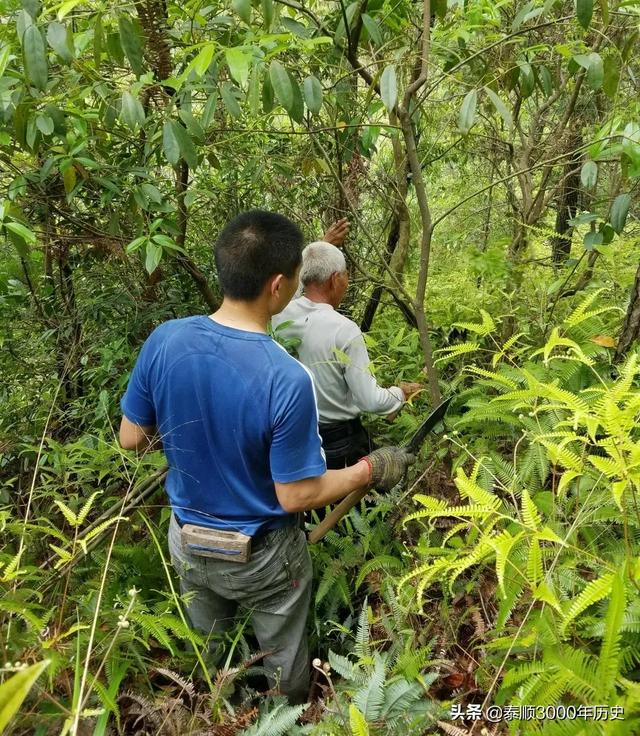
334,517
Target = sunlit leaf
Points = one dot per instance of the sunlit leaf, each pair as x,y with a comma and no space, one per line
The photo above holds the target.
14,690
589,174
389,87
467,114
239,62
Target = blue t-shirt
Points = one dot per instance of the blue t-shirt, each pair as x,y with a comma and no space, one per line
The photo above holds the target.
235,412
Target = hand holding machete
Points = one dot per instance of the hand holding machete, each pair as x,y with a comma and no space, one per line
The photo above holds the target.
388,465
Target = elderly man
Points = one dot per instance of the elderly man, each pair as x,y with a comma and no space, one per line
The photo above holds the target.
332,347
239,426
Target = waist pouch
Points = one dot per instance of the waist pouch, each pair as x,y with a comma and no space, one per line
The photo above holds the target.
203,541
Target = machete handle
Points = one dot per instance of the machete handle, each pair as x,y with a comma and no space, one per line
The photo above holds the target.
343,508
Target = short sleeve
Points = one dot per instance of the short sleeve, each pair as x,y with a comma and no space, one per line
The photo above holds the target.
296,448
137,402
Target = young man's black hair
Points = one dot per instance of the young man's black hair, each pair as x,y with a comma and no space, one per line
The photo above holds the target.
251,248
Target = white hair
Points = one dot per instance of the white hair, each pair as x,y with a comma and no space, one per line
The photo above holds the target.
319,261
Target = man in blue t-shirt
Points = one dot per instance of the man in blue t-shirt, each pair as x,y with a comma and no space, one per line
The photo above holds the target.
238,422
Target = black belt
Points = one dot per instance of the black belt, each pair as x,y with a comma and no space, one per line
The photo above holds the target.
340,430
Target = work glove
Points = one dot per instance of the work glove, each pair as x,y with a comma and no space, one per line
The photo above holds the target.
388,466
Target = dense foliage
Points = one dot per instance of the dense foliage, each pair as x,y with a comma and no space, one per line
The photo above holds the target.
487,154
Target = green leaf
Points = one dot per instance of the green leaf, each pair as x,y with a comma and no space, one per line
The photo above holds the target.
267,13
589,174
281,83
545,80
60,39
67,7
136,243
607,232
595,72
202,61
18,228
313,94
253,94
238,61
591,239
267,96
440,8
170,143
14,690
35,57
131,41
5,57
501,108
467,114
389,87
243,9
151,192
372,29
154,256
611,76
230,100
619,212
45,124
209,110
526,79
187,149
131,111
584,11
297,109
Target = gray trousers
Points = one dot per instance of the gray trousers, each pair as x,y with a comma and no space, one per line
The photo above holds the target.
274,586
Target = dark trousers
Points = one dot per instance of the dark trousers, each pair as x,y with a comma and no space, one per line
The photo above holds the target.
344,443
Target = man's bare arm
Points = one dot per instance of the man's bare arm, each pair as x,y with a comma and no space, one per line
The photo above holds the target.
136,437
314,493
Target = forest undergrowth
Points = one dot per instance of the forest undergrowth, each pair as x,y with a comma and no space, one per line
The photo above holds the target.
487,155
504,572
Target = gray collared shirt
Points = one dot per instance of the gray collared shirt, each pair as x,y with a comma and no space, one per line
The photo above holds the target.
333,349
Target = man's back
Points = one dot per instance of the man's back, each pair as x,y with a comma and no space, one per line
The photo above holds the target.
228,404
333,349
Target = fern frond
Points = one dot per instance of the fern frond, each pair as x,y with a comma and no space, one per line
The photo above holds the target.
456,350
596,590
357,722
497,377
362,646
609,660
380,562
370,697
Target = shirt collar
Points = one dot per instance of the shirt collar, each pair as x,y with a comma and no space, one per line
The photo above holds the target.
314,305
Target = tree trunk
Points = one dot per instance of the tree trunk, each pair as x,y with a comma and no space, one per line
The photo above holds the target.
567,207
631,327
182,184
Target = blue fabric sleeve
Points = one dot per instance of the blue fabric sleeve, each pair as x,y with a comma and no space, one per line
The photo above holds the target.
137,403
296,448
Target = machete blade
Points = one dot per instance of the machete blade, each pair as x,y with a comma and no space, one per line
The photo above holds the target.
415,443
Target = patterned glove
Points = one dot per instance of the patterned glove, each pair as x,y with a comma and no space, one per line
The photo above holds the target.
388,466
